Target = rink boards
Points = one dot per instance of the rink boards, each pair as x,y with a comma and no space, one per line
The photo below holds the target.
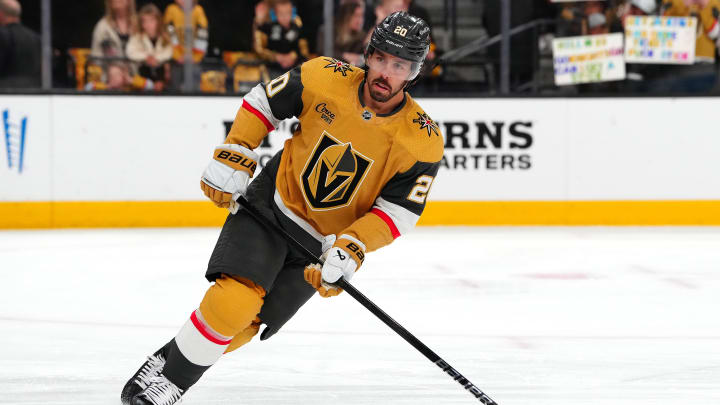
86,161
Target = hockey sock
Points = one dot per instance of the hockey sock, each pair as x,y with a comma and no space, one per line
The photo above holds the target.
229,307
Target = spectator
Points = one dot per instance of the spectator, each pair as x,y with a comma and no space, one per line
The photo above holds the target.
597,24
707,13
384,9
119,78
570,20
281,42
349,36
112,32
629,9
19,49
596,21
150,48
175,22
262,13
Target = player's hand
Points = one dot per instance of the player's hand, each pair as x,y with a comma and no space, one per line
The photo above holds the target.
341,260
227,176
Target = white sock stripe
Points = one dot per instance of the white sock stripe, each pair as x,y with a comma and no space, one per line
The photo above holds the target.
196,347
355,240
208,328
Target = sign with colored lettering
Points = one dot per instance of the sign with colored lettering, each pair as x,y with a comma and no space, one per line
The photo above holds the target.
668,40
588,59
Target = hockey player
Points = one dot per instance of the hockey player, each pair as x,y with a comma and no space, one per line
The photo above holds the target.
358,169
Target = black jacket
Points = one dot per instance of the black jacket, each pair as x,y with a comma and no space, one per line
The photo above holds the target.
19,57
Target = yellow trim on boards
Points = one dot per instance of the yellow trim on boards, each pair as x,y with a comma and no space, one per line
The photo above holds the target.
97,214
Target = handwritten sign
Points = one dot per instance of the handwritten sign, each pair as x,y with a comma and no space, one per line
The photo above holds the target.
588,59
668,40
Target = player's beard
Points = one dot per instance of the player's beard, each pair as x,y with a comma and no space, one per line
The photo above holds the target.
382,97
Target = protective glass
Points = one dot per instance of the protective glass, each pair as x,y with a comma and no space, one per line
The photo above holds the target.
392,66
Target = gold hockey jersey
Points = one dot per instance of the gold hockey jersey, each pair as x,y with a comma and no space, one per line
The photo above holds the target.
346,171
174,20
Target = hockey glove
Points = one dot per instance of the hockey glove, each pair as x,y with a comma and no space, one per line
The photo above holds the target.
341,260
226,177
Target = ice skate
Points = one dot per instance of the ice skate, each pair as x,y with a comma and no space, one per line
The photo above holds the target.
160,391
141,380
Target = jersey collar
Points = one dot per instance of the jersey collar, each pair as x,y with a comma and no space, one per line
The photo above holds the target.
395,110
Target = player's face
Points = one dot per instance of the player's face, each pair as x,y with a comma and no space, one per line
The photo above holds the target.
387,75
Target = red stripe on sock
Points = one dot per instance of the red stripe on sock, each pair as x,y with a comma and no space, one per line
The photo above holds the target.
258,114
385,217
203,329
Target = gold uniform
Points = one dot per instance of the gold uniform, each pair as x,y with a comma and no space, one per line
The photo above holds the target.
174,20
346,171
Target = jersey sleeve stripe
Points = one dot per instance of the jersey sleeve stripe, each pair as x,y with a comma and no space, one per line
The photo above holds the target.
258,114
403,219
393,229
257,98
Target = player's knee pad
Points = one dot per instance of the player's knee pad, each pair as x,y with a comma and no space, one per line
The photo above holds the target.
244,336
230,305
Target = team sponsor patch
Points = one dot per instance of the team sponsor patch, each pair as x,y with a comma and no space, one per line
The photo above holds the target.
333,174
325,113
426,123
337,66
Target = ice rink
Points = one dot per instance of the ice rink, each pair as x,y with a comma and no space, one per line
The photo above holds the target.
537,316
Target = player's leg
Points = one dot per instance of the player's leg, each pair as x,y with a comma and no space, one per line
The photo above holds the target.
244,336
245,262
290,291
229,307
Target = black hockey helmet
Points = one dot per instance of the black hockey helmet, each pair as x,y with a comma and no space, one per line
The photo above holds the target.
402,35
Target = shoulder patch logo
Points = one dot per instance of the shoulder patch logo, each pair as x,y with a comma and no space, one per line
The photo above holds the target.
426,123
333,174
337,65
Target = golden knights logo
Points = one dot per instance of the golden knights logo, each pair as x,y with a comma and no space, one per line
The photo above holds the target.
337,66
426,123
333,174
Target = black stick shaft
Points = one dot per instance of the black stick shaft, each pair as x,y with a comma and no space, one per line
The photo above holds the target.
387,319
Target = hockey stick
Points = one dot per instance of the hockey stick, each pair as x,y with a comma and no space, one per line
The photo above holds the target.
359,297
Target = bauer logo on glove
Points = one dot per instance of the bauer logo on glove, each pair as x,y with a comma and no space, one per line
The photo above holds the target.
341,260
227,176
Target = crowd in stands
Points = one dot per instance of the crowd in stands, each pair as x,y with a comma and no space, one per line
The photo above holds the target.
139,45
603,17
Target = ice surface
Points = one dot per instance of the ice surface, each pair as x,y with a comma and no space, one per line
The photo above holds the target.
554,316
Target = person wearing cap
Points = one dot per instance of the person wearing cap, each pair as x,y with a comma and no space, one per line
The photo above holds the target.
354,177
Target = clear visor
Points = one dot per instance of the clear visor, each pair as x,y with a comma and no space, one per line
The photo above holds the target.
392,66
